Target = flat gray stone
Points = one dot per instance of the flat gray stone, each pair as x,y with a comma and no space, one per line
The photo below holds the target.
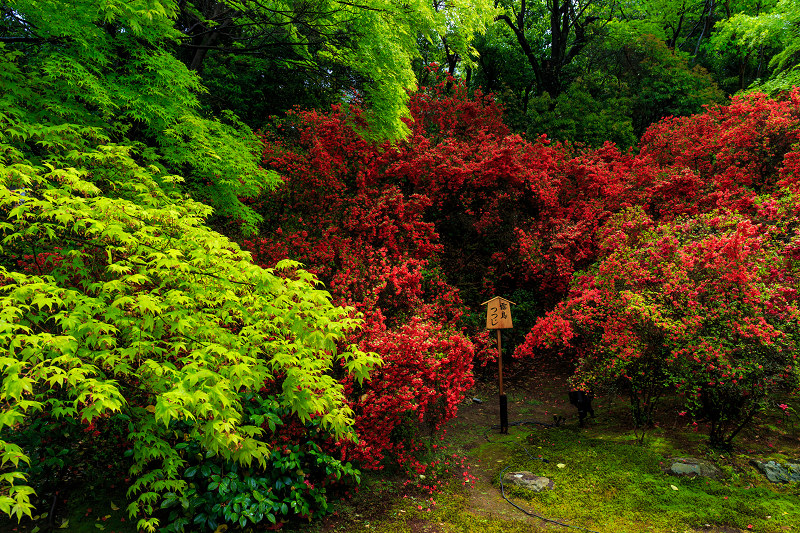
794,472
685,469
690,466
777,472
528,481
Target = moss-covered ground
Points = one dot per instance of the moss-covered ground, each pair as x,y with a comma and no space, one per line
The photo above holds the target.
606,480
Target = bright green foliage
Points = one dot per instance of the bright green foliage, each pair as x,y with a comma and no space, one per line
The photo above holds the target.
295,481
117,64
109,65
388,43
777,30
115,296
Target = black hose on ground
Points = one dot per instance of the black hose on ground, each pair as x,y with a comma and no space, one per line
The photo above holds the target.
502,487
540,517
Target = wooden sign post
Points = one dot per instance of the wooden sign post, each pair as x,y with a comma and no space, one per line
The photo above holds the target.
498,316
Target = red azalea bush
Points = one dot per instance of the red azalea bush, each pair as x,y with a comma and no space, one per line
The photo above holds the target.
688,304
723,158
588,188
511,214
695,287
481,181
366,238
393,229
426,369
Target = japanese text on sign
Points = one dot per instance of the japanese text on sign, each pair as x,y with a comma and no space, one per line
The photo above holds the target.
498,314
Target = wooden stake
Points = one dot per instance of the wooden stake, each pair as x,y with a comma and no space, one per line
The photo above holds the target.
500,361
503,399
498,316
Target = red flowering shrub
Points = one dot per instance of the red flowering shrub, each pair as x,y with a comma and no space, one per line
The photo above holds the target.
426,369
462,209
391,229
365,236
588,188
511,214
42,263
445,110
723,158
695,287
690,303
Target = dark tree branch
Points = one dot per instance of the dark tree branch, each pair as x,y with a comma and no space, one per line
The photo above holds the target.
526,47
31,40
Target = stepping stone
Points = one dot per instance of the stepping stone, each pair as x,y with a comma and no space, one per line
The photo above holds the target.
690,466
778,473
528,481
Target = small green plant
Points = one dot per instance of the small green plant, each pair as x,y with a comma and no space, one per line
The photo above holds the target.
293,483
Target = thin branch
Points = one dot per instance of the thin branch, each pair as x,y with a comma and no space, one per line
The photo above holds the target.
30,40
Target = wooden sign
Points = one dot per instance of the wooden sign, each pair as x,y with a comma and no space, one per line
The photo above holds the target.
498,314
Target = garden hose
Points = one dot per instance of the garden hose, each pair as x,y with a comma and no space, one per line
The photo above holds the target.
527,452
540,517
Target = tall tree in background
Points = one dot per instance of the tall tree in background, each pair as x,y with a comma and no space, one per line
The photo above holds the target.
622,82
590,71
767,41
552,34
682,24
703,30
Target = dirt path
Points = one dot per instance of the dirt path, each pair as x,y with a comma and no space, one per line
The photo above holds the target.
530,398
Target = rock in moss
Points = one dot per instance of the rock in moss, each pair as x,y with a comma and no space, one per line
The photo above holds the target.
528,481
690,466
777,472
